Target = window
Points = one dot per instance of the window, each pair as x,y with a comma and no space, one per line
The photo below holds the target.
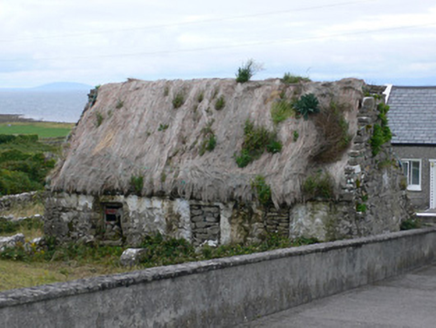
412,171
112,217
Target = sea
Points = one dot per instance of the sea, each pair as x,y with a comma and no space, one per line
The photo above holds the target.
44,105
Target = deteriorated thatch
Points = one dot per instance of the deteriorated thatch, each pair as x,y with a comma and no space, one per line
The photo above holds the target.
134,130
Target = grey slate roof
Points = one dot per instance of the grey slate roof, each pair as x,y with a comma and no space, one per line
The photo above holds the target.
412,115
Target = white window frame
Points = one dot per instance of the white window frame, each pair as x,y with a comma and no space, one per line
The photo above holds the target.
413,187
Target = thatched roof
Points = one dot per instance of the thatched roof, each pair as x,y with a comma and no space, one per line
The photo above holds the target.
124,135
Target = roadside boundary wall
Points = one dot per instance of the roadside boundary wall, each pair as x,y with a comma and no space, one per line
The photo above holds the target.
222,292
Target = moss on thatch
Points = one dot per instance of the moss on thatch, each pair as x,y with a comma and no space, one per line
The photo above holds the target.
101,160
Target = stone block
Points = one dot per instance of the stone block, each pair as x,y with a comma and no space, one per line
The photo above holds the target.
201,224
214,230
198,218
196,212
211,219
368,104
133,256
353,161
11,242
354,153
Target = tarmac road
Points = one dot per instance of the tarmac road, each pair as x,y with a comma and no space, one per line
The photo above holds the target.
405,301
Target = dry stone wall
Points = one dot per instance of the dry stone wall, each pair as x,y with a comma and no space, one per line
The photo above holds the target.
6,202
205,224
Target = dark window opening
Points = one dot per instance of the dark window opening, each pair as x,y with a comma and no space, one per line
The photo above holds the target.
112,219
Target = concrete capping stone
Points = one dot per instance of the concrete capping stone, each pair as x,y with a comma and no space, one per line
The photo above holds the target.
91,285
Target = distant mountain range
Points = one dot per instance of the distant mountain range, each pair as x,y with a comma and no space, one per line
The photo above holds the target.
56,86
64,86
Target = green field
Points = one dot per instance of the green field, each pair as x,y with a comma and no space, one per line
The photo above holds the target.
42,129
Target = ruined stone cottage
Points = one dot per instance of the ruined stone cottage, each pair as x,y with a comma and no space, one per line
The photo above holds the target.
180,158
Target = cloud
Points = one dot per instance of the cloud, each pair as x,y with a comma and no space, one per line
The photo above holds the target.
100,41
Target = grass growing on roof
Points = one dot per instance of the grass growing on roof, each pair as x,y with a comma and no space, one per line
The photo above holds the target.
291,78
209,139
263,190
257,140
319,185
281,110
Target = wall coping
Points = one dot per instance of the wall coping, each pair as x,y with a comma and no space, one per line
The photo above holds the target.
90,285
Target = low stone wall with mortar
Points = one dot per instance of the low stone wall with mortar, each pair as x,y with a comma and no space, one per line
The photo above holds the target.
221,292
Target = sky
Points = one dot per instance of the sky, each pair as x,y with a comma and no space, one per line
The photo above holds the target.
101,41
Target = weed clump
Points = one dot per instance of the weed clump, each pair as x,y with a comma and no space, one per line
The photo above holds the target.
98,119
411,223
247,70
220,103
291,78
120,104
307,104
381,133
360,207
136,183
257,139
209,141
296,135
163,127
178,100
319,185
281,110
263,190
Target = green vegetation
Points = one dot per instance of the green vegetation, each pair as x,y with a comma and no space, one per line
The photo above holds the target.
166,91
120,104
20,274
208,144
178,100
200,97
257,139
136,183
412,223
263,190
42,129
318,185
53,262
374,95
381,133
281,110
291,78
104,255
307,104
98,119
163,127
296,135
209,139
220,103
161,251
28,227
247,70
23,165
361,207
